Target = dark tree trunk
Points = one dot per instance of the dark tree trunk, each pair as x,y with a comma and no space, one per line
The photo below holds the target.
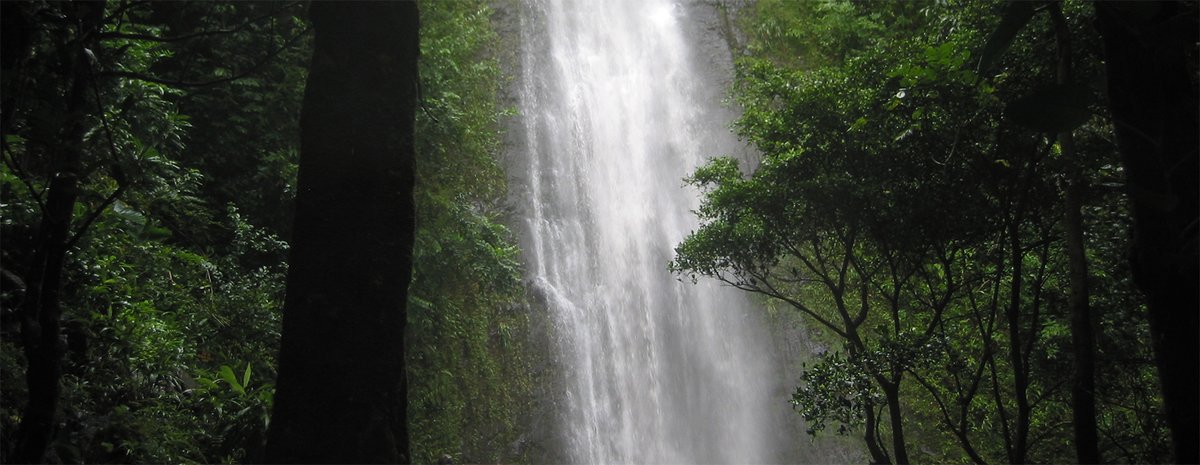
891,391
1016,357
871,436
41,312
341,395
1150,58
1083,341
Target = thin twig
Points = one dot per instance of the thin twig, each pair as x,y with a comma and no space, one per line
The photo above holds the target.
112,151
95,215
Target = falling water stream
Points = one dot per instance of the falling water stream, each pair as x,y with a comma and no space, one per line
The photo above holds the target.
616,110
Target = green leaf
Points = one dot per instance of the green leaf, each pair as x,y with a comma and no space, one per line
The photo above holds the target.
246,376
1052,108
226,374
941,54
1016,15
155,233
858,124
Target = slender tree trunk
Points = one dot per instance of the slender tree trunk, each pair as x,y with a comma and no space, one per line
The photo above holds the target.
1083,341
41,312
1151,63
342,395
891,391
1016,453
870,435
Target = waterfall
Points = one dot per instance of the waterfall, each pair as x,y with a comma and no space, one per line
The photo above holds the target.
616,109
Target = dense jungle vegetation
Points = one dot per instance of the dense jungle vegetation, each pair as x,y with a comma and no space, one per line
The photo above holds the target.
184,120
943,196
945,193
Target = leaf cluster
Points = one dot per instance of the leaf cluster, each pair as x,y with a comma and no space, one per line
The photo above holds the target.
907,202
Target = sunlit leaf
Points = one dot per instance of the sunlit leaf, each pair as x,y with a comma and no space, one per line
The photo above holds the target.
226,374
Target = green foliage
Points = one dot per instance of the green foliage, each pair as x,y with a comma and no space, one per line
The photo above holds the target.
902,179
178,282
153,306
468,368
167,324
1016,16
837,390
809,34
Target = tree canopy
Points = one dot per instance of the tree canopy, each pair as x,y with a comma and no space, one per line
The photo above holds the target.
985,213
938,192
179,125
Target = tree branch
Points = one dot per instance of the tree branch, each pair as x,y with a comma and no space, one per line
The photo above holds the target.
964,440
122,9
95,215
188,84
23,176
154,38
770,291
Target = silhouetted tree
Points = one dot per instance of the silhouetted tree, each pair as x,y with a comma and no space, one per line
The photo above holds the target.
41,311
1151,62
342,388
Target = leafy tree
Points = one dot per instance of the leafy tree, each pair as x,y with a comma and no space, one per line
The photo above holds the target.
906,202
823,211
131,279
171,300
41,310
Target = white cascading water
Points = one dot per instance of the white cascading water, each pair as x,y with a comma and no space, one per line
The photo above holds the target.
656,370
